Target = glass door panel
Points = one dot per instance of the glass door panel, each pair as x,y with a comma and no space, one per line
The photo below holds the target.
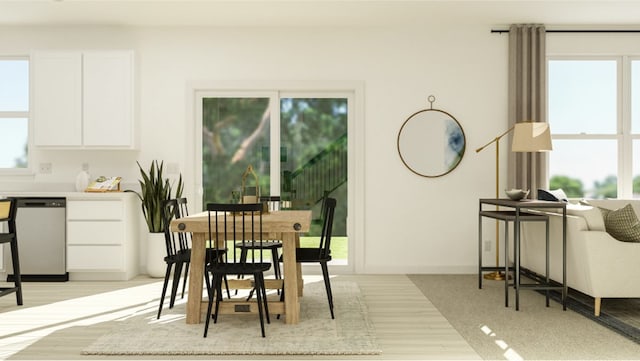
313,162
235,134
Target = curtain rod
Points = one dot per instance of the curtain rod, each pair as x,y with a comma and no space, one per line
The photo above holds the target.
500,31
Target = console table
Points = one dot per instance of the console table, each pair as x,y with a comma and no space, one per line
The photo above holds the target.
519,211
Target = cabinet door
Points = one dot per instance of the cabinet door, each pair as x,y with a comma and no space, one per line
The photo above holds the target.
108,98
57,98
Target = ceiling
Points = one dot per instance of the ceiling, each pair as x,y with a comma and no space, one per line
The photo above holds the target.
315,12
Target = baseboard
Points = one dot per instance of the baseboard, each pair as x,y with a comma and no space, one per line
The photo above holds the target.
40,278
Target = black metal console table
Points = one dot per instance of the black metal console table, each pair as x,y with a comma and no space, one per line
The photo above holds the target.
518,212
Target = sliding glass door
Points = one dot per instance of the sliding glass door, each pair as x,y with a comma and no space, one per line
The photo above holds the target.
295,142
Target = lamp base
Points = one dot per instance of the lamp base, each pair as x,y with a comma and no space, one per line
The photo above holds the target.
495,276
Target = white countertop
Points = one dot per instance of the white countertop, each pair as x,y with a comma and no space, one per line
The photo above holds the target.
70,195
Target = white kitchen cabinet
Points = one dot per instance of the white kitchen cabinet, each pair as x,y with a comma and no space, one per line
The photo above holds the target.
102,236
57,97
84,99
107,111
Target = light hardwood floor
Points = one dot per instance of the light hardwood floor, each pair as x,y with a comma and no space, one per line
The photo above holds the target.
59,319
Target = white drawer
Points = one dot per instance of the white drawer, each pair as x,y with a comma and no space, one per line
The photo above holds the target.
95,210
95,258
95,232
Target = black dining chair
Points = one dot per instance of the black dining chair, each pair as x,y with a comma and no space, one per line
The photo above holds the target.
271,245
8,207
238,223
322,253
185,240
177,254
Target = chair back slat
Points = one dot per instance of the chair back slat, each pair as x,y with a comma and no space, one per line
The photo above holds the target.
171,239
240,223
5,208
184,237
329,206
8,208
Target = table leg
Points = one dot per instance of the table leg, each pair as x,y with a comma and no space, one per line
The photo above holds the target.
480,249
546,275
196,274
516,241
564,258
506,263
291,278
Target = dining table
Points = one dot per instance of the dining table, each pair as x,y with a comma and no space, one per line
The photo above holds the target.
285,225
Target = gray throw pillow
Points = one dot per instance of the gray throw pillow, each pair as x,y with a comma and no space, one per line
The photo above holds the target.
622,224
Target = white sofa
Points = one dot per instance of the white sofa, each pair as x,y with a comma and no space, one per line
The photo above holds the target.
597,264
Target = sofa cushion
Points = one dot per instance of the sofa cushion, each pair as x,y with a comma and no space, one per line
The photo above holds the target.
592,215
622,223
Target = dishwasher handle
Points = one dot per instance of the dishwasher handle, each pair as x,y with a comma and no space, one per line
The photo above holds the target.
41,202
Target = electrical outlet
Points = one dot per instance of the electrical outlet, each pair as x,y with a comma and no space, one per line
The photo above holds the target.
45,168
487,246
85,167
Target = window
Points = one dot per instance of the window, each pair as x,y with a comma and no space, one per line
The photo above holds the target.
14,113
594,114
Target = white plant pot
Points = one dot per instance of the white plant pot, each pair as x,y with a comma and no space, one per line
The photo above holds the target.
156,251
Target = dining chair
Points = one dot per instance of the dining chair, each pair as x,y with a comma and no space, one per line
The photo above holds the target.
238,223
8,207
185,241
322,253
271,245
185,247
177,255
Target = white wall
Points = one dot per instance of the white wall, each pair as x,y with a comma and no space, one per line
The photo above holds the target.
411,224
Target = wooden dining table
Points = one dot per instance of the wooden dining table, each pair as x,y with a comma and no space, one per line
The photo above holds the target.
285,225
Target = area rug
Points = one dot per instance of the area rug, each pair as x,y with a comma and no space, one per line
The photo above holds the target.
351,333
621,315
535,332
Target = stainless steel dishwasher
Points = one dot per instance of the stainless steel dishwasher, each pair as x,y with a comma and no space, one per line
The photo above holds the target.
41,230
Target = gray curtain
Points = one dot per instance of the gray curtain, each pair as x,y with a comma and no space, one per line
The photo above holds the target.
527,101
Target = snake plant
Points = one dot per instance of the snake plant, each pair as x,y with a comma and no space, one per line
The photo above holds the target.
154,189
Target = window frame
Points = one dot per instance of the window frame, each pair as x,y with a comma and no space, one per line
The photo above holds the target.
623,136
20,114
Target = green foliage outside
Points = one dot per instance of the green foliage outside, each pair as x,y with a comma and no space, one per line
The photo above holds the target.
234,130
339,245
607,188
571,186
636,185
236,134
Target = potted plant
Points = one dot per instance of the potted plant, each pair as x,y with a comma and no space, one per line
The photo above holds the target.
154,190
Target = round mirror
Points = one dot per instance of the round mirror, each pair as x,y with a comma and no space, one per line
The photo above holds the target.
431,143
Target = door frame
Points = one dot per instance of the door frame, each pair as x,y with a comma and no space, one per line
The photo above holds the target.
356,145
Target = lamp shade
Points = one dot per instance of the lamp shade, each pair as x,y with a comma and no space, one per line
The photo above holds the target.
531,137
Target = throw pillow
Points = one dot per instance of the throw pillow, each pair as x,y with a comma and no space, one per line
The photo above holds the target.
622,224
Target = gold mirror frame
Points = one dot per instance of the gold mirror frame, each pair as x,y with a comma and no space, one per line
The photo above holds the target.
431,142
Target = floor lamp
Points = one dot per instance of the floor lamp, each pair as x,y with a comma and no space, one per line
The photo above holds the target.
527,137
